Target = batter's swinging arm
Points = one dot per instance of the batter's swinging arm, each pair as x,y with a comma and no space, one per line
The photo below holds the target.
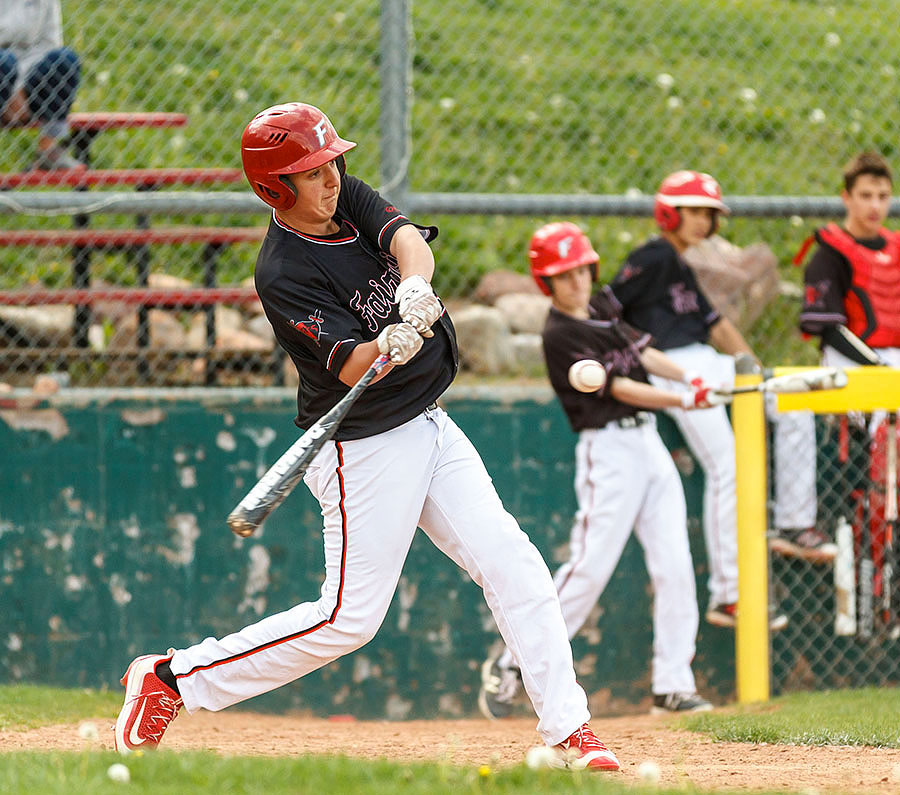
285,473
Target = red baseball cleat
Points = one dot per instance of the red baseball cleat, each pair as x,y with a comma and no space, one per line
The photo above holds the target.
150,705
582,750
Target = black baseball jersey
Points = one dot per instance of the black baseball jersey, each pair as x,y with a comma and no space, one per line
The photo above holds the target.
604,337
659,294
325,295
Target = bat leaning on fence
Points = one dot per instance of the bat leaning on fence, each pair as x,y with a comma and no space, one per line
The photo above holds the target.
285,473
865,611
809,381
890,518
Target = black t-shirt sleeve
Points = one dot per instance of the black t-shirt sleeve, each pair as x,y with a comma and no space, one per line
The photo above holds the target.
297,314
826,280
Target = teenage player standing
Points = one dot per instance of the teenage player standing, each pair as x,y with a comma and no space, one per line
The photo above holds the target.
344,276
659,294
625,478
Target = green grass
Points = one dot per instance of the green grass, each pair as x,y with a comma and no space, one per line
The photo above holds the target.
866,716
854,717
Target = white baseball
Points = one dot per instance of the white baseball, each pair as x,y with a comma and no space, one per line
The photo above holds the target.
541,756
649,771
587,375
88,730
119,772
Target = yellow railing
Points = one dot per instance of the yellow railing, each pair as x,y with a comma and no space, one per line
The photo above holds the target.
868,389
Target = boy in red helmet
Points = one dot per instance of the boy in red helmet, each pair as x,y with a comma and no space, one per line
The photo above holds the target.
625,478
343,276
658,293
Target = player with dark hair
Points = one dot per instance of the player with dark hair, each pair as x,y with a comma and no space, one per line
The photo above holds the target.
851,302
625,478
659,294
343,277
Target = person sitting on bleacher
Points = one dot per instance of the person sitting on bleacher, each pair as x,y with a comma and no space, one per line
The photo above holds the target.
38,77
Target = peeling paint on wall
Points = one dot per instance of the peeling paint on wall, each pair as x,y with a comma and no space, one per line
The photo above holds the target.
257,581
186,534
48,420
152,416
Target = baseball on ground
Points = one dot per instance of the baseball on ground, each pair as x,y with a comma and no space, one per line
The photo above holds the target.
118,772
649,771
541,756
587,375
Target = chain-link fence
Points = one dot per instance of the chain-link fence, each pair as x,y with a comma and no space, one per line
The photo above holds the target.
833,576
574,99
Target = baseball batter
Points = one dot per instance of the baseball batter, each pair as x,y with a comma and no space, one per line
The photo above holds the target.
659,294
624,476
344,276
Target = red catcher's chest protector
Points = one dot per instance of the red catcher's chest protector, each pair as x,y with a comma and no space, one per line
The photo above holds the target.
873,302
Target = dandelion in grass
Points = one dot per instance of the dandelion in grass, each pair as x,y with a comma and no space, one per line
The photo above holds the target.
887,70
241,94
625,236
832,39
748,95
103,77
665,81
178,69
447,103
855,127
796,220
338,17
557,101
633,193
817,116
674,103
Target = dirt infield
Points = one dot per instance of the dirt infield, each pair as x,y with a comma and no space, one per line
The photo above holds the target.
682,756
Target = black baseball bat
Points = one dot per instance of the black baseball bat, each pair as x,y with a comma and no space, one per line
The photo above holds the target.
285,473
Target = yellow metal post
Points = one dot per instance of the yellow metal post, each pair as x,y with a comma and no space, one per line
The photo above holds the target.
752,632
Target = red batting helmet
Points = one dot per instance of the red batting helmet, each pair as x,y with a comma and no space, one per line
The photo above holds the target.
686,189
559,247
286,139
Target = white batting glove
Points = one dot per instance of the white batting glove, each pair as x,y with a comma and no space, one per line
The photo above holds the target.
401,341
418,304
692,378
702,396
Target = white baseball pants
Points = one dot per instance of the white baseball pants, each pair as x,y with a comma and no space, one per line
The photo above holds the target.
373,493
709,434
625,479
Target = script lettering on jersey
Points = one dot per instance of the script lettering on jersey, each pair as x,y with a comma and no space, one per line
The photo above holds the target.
377,303
684,300
621,360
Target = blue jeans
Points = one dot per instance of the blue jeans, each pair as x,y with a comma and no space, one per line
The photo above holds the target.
50,84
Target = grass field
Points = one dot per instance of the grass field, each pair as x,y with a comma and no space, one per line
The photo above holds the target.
855,718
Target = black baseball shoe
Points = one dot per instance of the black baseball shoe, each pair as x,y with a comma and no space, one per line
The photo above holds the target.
499,688
679,702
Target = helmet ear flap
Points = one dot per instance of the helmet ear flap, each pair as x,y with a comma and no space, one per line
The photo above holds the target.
667,218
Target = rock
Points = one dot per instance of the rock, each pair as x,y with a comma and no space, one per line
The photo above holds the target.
485,342
528,351
525,312
36,325
501,282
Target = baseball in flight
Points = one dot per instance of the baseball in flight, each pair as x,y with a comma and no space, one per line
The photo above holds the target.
587,375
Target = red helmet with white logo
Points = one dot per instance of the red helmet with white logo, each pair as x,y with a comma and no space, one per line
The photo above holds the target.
557,248
286,139
686,189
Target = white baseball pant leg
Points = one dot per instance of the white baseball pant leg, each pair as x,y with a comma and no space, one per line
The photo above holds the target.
624,479
373,493
795,468
709,434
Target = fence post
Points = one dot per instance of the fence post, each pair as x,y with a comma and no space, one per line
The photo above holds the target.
396,90
752,659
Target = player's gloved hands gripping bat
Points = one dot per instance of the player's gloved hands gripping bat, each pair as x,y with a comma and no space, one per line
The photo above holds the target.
401,341
418,305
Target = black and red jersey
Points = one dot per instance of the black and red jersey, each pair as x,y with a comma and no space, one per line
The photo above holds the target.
659,294
604,336
325,295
